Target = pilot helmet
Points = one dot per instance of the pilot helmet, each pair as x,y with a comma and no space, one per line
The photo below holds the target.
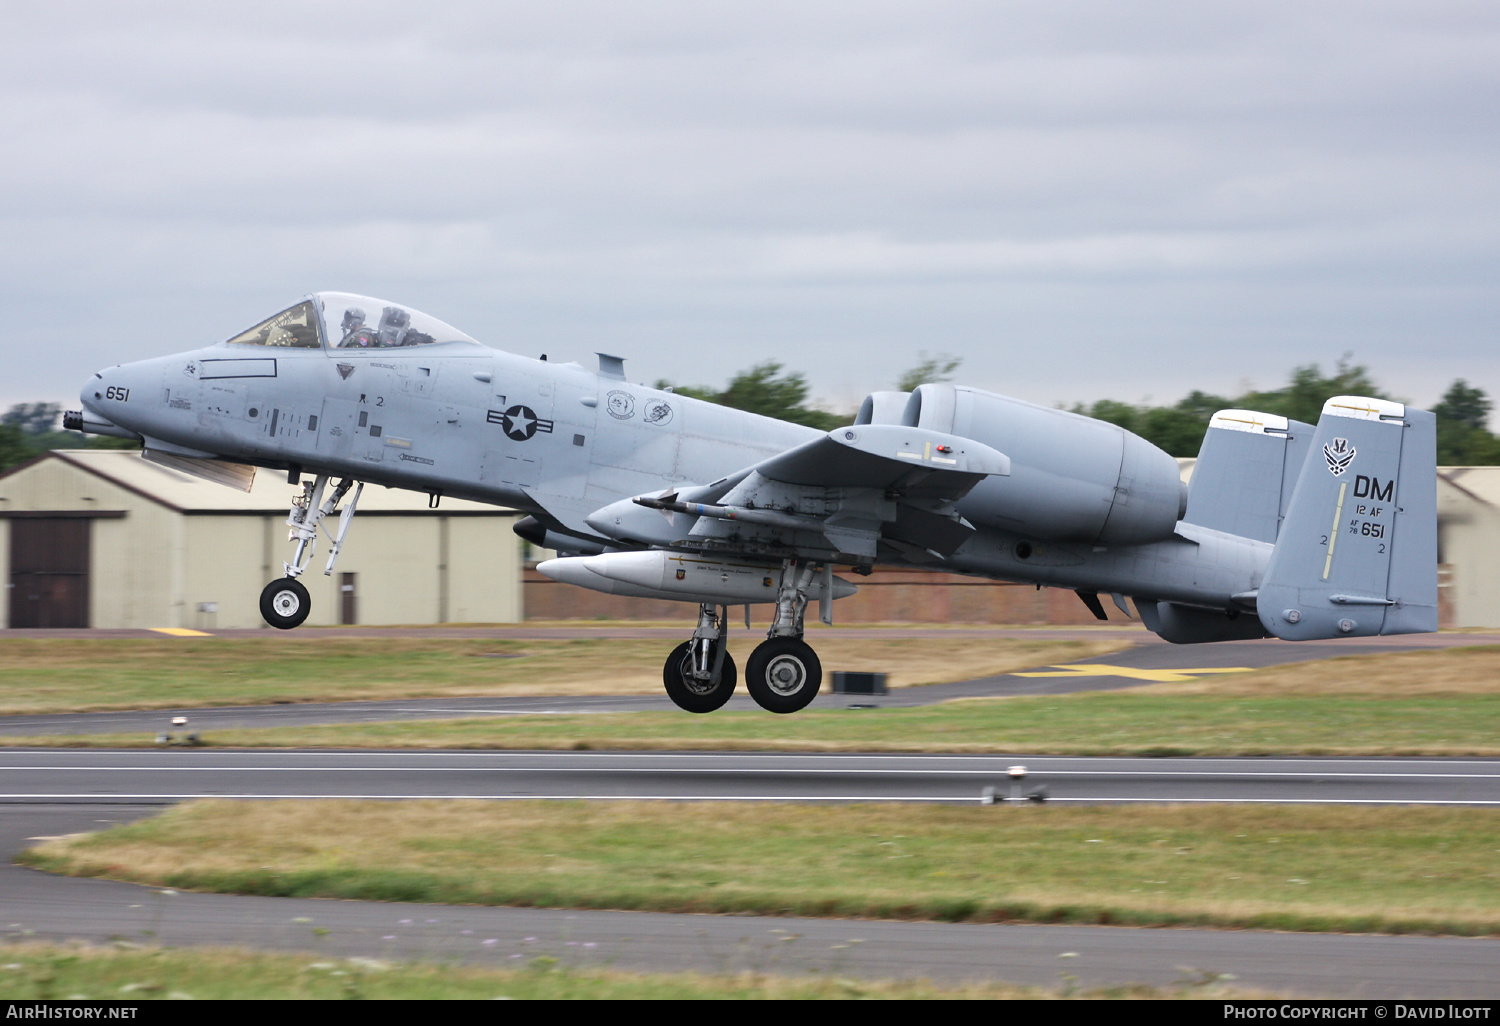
353,318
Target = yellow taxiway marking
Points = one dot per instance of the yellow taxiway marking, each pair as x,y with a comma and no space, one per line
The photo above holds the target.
1155,676
181,632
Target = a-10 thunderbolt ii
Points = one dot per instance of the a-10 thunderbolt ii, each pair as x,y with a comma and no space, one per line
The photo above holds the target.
1286,530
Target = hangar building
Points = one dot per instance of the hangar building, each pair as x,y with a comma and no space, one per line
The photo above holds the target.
1469,545
102,538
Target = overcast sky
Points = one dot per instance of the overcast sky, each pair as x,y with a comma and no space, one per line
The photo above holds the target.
1082,200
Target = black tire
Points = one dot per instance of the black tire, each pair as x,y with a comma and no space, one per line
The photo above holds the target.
690,693
783,675
285,603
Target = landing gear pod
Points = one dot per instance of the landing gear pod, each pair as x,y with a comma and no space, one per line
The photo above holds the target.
684,577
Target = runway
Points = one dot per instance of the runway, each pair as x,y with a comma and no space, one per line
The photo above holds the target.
49,792
162,777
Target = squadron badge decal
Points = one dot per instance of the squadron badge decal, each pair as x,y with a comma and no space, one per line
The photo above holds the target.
621,405
657,411
1339,454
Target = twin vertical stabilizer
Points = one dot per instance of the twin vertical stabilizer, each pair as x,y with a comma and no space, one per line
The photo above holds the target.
1357,551
1246,472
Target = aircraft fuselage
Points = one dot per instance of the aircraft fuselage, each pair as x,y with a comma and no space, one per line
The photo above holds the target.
559,441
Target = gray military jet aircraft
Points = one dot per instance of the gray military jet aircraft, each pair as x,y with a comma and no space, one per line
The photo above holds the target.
1286,530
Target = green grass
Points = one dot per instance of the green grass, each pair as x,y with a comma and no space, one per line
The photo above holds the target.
67,675
1347,869
1433,703
131,974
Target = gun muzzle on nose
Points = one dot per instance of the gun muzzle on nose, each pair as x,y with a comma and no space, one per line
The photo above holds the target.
91,423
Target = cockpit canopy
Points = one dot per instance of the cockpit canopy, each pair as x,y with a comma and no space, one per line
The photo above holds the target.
342,320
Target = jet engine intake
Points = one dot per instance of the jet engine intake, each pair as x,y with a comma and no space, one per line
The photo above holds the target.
882,408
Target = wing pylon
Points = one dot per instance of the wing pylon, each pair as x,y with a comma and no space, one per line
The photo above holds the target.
844,494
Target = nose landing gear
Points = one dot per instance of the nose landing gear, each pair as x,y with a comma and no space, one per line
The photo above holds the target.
284,603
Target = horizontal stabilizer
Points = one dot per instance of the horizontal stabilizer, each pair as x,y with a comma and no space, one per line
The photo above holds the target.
1357,554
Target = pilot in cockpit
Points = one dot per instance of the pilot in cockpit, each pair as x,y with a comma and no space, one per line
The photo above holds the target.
394,330
356,334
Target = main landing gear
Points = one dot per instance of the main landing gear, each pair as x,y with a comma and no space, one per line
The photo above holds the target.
700,673
783,673
285,603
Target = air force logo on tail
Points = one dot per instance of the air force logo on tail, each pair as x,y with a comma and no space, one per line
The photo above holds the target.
1339,454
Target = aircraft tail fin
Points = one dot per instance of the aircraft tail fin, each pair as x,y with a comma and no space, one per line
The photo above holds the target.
1357,553
1246,471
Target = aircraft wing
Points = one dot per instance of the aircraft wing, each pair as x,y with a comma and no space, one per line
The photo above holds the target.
842,494
889,456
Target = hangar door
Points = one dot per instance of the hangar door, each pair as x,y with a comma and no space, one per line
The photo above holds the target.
49,572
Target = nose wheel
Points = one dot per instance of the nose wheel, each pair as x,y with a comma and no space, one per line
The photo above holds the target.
285,603
783,675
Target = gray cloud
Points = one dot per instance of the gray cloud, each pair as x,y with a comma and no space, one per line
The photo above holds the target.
1082,200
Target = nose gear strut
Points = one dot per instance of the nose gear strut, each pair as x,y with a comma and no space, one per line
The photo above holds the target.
285,603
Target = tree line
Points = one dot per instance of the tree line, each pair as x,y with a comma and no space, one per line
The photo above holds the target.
30,429
1463,435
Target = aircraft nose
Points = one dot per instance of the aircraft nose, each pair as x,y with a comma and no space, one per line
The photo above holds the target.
93,391
118,396
95,417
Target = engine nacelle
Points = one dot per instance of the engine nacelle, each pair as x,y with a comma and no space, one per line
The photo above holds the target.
1072,478
882,408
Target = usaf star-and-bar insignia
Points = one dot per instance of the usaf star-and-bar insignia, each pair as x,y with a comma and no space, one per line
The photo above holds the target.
519,422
